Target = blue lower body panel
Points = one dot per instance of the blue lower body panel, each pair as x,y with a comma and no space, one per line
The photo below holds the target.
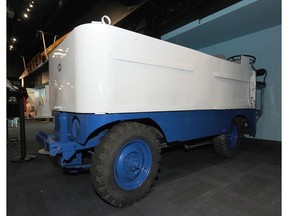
76,133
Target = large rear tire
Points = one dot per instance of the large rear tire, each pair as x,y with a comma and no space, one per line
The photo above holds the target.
126,163
227,145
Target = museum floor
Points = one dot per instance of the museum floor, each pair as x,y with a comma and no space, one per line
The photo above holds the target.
195,182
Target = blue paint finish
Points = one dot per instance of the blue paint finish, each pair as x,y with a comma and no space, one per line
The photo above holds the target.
132,165
177,126
72,137
75,127
74,164
61,127
49,143
232,136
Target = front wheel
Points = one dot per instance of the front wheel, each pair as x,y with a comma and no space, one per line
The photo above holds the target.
126,163
227,145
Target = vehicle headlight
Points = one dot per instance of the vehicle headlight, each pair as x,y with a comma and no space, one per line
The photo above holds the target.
75,127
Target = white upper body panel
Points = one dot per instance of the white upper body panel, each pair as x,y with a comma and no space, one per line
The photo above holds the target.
100,68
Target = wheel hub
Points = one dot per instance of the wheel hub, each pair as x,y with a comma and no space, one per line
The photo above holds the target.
132,162
232,136
132,165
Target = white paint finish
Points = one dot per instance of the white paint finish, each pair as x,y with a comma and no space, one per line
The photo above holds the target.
112,70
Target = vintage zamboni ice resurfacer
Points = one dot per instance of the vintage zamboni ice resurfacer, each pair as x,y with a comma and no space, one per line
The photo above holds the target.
119,97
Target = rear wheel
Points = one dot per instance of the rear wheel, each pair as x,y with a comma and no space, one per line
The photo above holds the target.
126,163
227,145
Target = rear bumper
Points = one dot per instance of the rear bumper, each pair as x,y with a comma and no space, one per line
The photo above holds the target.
48,142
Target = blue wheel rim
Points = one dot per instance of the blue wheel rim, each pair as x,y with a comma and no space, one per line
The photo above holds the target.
232,137
132,165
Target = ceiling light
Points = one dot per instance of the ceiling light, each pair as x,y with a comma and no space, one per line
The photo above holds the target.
11,47
31,5
14,39
25,15
32,2
28,9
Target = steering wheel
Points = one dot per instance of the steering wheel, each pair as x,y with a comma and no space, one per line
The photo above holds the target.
238,57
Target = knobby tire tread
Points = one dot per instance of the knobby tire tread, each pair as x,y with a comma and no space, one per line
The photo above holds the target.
103,150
